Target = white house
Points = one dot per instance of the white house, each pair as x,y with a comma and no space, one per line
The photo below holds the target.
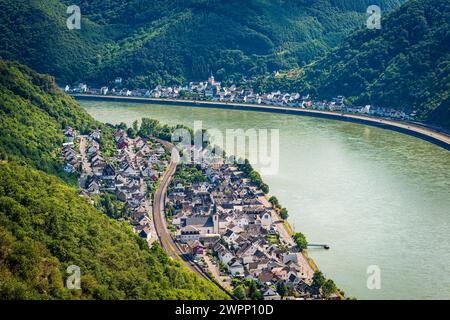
235,268
266,220
188,233
104,90
224,255
271,294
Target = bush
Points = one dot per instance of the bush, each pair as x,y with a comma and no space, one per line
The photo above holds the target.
300,241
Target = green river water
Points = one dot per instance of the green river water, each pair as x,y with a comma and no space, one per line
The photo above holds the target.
377,197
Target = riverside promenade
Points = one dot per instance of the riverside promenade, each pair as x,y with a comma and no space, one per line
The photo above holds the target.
413,129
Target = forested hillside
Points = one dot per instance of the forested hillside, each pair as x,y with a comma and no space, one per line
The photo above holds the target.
405,65
164,41
33,112
45,226
34,32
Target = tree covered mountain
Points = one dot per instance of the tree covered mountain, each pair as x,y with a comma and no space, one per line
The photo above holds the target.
34,32
160,41
405,65
33,112
45,226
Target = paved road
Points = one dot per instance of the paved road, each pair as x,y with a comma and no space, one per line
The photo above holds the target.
85,166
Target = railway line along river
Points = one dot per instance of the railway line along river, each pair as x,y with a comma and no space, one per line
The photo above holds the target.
377,197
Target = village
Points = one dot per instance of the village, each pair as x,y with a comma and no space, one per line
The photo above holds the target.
212,90
217,216
228,227
129,177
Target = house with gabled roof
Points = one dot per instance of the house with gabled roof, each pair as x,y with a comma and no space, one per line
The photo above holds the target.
223,253
94,187
230,236
109,172
271,294
145,233
95,135
235,267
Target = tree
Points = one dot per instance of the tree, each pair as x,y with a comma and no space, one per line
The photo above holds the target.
318,280
239,292
300,240
328,288
282,289
148,127
274,201
253,292
107,205
131,133
122,126
135,125
284,213
265,188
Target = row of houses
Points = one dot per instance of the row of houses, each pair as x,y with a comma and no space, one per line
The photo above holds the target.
214,91
130,175
70,156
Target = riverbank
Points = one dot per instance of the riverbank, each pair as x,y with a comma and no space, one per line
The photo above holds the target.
413,129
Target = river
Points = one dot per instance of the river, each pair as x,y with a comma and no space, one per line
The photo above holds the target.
377,197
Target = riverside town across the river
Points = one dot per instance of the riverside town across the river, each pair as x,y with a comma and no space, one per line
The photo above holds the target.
212,94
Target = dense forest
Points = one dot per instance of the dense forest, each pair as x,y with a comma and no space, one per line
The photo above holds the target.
45,226
405,65
33,112
34,32
167,41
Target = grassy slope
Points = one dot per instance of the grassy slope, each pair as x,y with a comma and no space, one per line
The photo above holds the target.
45,226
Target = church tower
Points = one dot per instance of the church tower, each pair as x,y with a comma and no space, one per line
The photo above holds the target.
211,80
215,218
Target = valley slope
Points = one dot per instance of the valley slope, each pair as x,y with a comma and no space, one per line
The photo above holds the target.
405,65
45,226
